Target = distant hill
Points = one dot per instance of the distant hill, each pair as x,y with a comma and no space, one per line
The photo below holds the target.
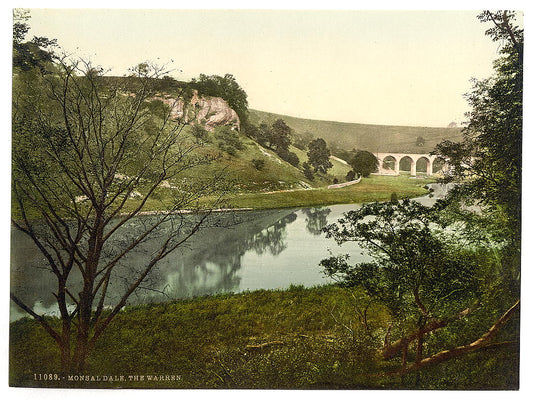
374,138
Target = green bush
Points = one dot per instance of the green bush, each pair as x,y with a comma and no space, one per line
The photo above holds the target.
229,140
258,164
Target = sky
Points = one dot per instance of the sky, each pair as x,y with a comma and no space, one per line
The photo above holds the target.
378,67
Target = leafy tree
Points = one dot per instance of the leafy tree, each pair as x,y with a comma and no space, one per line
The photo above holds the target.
318,155
87,159
200,133
420,141
281,136
488,161
430,263
250,130
35,53
364,163
289,156
264,135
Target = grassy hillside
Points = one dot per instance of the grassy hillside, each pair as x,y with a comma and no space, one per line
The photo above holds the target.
374,138
275,174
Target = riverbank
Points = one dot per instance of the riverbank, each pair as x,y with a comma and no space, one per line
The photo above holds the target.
294,338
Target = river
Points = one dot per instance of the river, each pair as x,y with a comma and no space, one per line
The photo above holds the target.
267,249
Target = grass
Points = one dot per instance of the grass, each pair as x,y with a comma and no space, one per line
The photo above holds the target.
374,138
373,188
294,338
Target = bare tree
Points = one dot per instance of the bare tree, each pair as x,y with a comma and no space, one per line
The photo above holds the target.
90,155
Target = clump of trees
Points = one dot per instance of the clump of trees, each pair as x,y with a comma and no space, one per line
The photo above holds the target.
450,274
308,171
276,137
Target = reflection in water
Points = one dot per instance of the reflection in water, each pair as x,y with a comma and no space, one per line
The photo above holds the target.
209,263
316,218
273,238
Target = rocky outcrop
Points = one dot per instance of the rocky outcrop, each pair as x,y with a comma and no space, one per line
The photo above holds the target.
207,111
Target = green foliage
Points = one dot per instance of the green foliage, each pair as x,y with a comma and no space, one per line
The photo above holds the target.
264,135
308,171
258,164
36,53
488,161
289,156
364,163
313,338
229,140
415,265
281,136
81,150
200,133
318,155
350,176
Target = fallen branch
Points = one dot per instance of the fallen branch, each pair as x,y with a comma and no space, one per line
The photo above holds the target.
390,350
481,343
263,345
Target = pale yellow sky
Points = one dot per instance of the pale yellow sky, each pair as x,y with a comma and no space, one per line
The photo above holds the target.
382,67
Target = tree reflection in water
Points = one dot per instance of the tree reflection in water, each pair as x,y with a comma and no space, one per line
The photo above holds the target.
316,219
208,264
212,262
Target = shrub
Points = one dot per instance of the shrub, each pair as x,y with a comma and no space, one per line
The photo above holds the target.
258,164
350,176
229,140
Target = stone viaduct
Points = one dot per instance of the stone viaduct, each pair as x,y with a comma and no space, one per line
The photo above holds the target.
393,159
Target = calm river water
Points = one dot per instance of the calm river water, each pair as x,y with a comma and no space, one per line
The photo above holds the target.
266,250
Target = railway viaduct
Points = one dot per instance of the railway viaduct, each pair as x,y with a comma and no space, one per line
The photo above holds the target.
388,160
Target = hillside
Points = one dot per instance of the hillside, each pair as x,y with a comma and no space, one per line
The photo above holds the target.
275,174
374,138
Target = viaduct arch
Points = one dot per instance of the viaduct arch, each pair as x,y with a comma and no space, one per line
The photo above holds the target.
413,158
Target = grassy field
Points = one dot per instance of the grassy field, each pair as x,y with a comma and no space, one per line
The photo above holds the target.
295,338
374,138
373,188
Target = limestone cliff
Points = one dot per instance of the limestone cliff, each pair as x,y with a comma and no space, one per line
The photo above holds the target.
207,111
